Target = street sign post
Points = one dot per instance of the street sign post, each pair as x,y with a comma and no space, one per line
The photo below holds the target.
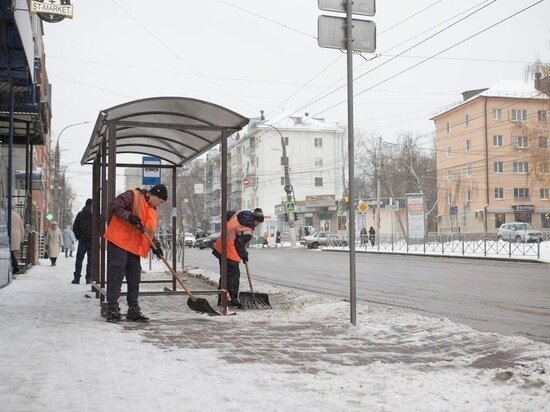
361,7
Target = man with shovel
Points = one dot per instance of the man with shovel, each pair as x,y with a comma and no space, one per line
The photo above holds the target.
132,214
240,231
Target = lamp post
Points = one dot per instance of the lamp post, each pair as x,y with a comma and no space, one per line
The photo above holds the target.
56,193
288,189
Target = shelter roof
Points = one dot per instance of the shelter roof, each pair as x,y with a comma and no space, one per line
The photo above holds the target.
175,129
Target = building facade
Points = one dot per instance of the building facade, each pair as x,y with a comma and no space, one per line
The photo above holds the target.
493,159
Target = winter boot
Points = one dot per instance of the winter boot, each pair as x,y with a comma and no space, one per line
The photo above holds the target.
113,313
134,314
76,280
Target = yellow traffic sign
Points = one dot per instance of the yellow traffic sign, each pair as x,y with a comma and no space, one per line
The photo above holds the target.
362,207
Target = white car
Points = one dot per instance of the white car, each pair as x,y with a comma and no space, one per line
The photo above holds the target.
189,240
519,232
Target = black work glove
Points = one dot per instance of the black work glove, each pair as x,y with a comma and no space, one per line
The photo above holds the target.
245,259
136,221
157,251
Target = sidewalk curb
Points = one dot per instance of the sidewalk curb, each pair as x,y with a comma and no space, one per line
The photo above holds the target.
506,259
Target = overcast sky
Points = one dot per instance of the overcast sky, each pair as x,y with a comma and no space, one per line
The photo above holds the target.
252,55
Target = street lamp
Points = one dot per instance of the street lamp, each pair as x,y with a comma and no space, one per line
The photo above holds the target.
56,168
288,189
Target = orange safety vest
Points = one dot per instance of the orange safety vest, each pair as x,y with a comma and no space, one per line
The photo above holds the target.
234,228
128,237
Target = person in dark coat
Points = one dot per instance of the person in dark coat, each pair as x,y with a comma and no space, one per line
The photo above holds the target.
240,231
363,236
372,235
82,228
278,239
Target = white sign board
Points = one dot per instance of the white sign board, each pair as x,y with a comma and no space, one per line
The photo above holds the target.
332,34
362,7
415,215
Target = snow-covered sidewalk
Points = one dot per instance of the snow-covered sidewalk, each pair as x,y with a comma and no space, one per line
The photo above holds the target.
58,354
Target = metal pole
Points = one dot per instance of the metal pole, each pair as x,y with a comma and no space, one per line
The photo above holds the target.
378,168
223,219
351,164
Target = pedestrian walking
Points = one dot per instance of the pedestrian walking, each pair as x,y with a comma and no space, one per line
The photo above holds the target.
131,215
240,231
363,236
69,241
53,242
372,235
278,239
300,233
265,240
17,236
82,228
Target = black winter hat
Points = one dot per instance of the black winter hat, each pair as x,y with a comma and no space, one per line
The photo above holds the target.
159,191
258,215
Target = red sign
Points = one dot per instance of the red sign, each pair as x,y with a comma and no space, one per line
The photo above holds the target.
246,181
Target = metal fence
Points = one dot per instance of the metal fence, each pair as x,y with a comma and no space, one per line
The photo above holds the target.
469,244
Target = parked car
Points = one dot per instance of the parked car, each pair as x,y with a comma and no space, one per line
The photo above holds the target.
206,242
322,238
519,232
189,239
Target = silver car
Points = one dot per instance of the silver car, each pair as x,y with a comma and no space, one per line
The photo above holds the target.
322,238
519,232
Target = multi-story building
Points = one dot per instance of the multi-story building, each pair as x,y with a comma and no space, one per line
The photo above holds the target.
493,159
257,177
25,115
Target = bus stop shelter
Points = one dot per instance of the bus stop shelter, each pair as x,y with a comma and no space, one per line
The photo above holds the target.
174,129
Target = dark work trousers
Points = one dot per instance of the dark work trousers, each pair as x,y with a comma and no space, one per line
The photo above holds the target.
83,249
14,263
233,279
120,264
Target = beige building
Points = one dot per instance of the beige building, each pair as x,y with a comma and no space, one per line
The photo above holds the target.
493,159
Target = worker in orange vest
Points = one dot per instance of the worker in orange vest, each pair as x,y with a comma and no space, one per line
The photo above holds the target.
240,231
130,215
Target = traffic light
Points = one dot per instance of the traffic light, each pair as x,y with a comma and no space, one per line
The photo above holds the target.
345,204
285,217
296,216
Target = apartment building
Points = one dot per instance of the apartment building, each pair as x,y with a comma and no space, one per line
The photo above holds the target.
257,178
493,157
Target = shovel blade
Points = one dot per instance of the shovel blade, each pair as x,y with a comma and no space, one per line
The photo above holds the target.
251,300
201,305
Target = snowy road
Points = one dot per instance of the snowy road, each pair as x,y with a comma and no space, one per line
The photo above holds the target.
507,297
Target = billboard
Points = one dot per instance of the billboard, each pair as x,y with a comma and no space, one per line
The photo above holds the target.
415,215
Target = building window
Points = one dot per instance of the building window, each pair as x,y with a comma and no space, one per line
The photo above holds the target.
543,142
449,151
449,198
521,167
469,170
318,142
542,168
497,140
318,182
520,142
448,127
449,175
521,193
500,219
497,114
499,167
499,193
319,162
468,145
541,115
545,220
545,193
467,120
519,115
469,195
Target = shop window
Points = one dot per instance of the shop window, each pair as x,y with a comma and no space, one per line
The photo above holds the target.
545,220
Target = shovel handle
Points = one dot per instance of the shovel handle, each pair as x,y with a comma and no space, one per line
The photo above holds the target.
172,271
249,277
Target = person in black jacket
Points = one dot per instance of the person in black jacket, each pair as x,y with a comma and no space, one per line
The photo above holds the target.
82,229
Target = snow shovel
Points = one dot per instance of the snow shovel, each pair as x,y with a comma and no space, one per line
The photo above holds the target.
200,305
251,300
